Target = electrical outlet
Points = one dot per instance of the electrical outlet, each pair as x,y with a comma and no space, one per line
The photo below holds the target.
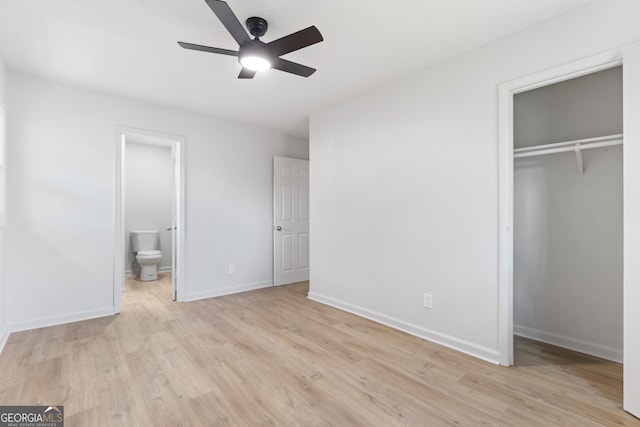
428,301
232,268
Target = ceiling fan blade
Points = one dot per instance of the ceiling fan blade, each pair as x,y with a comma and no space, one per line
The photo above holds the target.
246,74
295,41
292,67
208,49
229,20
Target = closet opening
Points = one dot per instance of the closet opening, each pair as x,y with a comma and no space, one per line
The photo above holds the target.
567,216
628,379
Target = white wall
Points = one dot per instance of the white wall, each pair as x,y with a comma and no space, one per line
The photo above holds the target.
4,331
404,183
148,198
61,216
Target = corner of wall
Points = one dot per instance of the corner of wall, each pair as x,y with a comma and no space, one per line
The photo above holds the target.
2,79
4,330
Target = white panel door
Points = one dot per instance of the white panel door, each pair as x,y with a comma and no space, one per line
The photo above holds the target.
290,220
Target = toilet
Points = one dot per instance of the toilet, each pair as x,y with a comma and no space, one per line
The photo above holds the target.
144,244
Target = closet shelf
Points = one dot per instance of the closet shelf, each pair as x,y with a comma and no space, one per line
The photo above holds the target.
576,146
561,147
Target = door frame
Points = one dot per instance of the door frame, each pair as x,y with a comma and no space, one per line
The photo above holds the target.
506,91
177,148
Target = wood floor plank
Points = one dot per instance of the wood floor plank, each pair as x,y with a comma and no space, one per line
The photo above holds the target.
274,357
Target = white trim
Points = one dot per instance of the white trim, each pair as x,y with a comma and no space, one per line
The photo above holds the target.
570,70
44,322
179,152
487,354
178,146
4,336
631,217
506,91
195,296
159,269
119,239
586,347
505,214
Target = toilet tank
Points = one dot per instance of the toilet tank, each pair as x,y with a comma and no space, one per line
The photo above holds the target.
144,240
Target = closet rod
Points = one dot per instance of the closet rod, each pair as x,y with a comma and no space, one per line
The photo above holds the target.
561,147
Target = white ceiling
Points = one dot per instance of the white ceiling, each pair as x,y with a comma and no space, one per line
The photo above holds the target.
128,47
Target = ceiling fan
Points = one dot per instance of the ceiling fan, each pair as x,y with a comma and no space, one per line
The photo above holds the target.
254,55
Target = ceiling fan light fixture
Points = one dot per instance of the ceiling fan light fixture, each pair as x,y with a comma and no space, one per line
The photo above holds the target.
253,54
255,63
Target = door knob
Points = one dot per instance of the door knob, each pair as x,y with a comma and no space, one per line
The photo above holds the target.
278,228
169,228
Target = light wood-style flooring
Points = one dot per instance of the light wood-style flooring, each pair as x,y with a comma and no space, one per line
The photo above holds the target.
273,357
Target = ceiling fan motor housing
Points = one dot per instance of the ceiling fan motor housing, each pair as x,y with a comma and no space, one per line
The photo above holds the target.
257,26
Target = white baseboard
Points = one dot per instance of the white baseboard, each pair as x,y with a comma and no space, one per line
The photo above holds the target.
593,349
484,353
160,270
43,322
195,296
4,336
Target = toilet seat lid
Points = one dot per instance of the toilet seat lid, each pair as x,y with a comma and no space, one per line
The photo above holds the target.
150,253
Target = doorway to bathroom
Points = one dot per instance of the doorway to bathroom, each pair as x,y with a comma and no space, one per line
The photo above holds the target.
149,207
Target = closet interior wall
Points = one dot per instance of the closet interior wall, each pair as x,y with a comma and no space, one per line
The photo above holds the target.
568,225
